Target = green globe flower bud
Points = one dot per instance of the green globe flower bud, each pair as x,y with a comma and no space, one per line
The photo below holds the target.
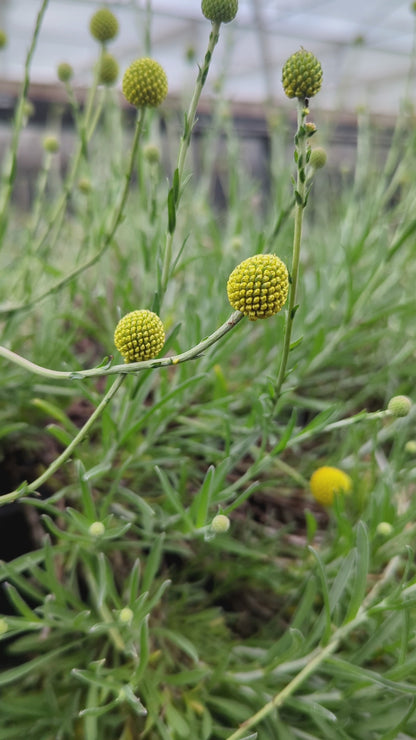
65,72
151,153
410,447
145,83
318,158
51,144
139,335
302,75
28,109
384,528
107,70
84,185
236,243
3,38
190,54
310,128
96,529
126,615
258,286
399,405
220,11
220,524
103,25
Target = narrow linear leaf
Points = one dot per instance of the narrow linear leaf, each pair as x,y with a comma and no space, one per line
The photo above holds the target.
15,674
20,604
153,563
361,572
325,594
175,186
171,212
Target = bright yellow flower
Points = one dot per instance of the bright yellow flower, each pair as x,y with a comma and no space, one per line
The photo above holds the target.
327,481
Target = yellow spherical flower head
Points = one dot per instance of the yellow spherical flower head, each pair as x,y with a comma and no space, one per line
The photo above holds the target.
326,482
219,11
145,83
302,75
107,70
139,335
258,286
103,25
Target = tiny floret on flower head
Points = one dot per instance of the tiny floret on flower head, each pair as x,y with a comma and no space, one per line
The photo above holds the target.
104,25
64,71
220,11
139,335
327,481
220,523
302,75
399,405
258,286
107,70
145,83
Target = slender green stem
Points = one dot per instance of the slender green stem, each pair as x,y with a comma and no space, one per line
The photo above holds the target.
132,367
40,193
342,423
104,611
175,192
76,114
300,195
147,35
85,128
116,219
66,454
6,192
318,656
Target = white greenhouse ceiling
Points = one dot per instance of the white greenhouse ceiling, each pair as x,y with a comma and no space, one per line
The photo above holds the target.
365,47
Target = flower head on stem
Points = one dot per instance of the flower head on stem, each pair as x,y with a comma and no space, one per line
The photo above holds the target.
302,78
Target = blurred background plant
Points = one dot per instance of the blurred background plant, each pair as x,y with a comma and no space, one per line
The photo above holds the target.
175,578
